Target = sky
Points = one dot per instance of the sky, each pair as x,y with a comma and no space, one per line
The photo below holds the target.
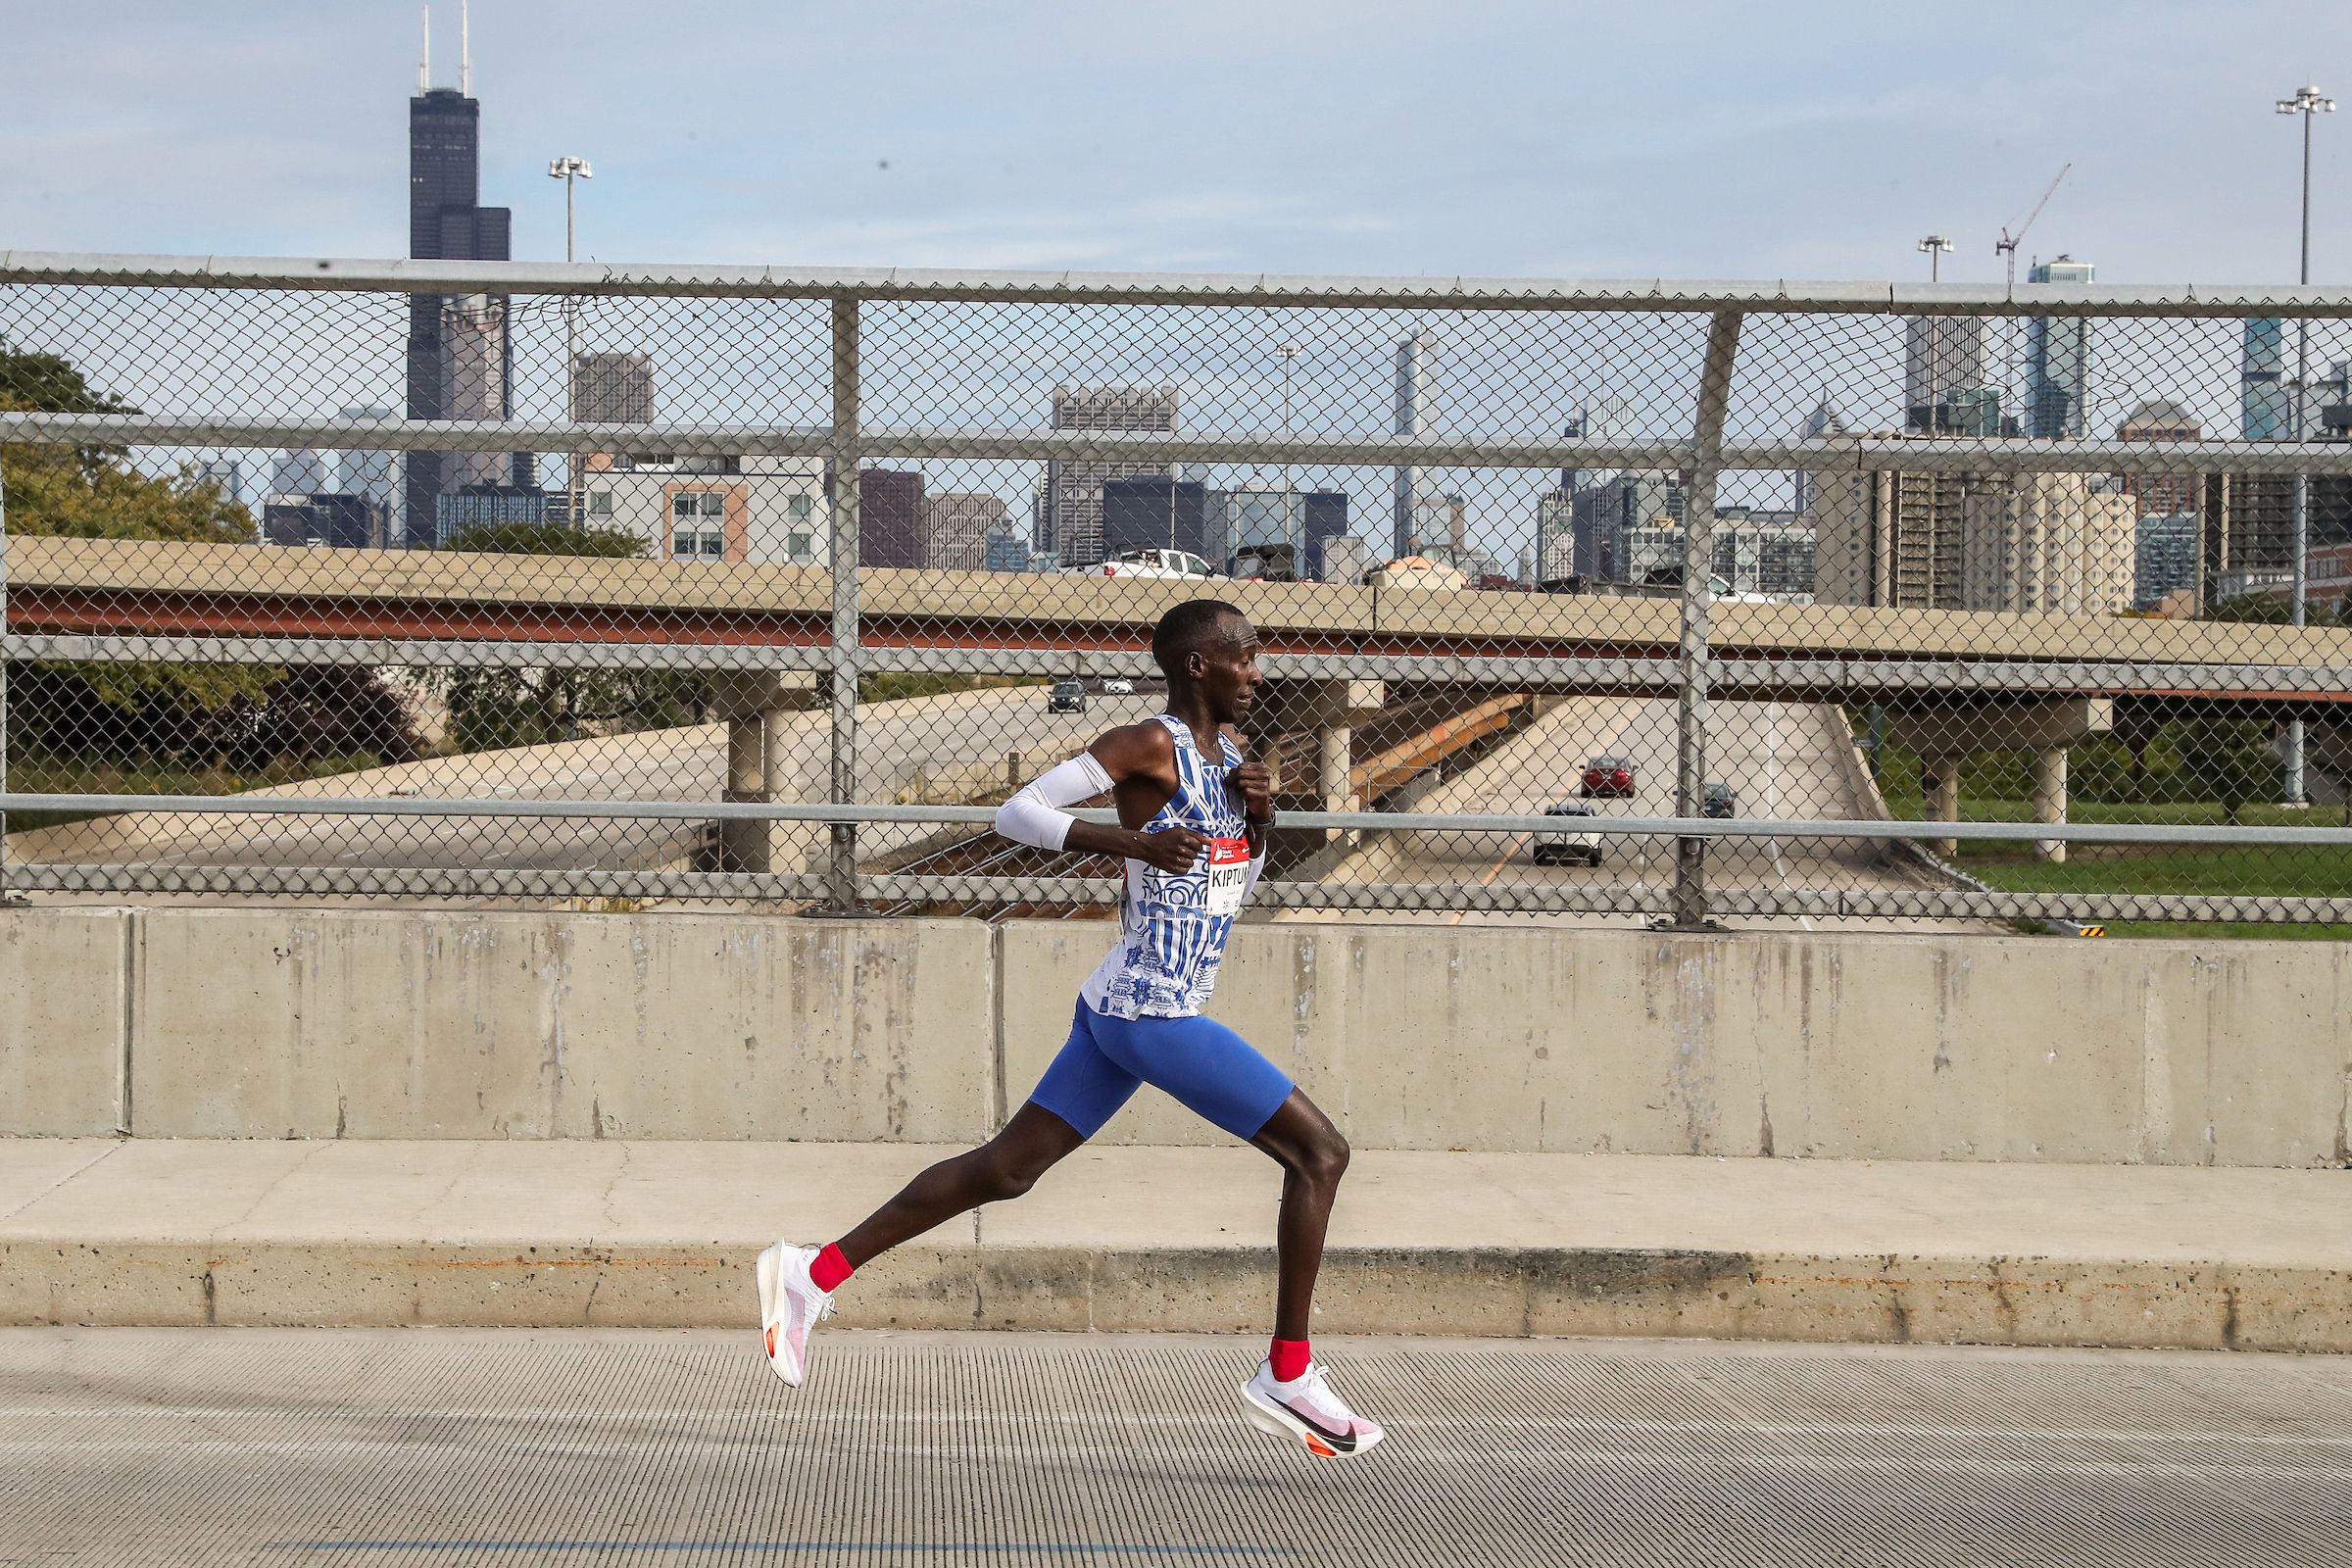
1677,138
1479,137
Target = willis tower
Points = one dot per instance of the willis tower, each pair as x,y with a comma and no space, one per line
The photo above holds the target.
461,358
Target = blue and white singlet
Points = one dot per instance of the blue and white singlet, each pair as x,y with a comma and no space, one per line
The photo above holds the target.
1173,924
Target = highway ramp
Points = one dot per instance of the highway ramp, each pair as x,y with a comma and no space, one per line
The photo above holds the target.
1782,759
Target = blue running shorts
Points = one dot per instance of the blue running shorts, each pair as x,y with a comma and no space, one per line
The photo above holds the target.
1212,1071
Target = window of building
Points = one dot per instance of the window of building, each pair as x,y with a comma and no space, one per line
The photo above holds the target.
800,547
600,503
801,506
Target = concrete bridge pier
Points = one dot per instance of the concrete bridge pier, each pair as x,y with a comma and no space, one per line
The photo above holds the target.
1330,710
755,704
1948,733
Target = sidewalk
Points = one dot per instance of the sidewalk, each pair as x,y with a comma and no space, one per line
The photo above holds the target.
618,1234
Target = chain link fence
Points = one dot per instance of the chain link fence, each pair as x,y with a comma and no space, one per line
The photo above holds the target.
492,581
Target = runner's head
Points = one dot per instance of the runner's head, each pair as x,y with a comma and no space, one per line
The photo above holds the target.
1206,645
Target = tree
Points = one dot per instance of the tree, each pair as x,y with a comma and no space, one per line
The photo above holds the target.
216,714
2227,757
492,708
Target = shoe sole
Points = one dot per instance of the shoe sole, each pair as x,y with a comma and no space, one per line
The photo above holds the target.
1277,1423
770,1272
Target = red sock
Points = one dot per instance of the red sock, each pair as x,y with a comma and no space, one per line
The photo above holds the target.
1291,1360
829,1268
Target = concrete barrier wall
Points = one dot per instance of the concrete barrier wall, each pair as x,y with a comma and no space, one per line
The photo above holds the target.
268,1023
64,983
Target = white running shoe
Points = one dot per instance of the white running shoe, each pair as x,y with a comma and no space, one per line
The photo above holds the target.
790,1306
1306,1412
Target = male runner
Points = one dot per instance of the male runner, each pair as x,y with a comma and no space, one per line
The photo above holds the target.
1192,820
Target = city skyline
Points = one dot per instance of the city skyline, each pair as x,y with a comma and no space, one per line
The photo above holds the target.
157,143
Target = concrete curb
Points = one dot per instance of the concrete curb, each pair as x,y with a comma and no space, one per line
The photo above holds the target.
1495,1292
645,1235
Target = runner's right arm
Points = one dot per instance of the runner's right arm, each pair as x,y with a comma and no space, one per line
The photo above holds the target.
1138,755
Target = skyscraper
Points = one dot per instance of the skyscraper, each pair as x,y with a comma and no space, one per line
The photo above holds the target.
1602,417
1071,521
2058,358
1824,423
373,474
461,358
299,471
2262,379
612,389
1412,368
1942,353
956,528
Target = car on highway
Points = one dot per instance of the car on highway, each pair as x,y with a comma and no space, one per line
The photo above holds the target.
1717,800
1572,841
1146,564
1608,777
1066,697
1115,687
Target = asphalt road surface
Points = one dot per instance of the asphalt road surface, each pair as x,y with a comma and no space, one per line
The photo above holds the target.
1781,759
900,743
429,1447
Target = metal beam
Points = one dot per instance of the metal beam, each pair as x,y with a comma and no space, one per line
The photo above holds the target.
683,280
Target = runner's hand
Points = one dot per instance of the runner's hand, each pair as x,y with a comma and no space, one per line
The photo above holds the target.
1174,849
1253,781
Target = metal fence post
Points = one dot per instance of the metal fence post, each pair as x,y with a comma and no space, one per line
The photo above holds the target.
3,684
841,501
1699,598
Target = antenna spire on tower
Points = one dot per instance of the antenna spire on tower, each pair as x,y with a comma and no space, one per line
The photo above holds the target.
464,52
424,66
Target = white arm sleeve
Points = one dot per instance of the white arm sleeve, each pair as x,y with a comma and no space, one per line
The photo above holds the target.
1034,814
1258,867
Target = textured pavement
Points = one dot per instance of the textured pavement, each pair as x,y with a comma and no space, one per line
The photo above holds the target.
288,1447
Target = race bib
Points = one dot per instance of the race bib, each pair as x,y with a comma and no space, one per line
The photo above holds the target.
1228,874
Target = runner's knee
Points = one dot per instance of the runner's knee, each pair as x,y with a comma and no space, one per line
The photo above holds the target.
1006,1174
1324,1161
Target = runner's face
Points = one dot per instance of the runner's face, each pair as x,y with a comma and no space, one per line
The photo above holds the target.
1226,668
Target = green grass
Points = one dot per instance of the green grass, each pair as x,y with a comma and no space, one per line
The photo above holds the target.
77,776
2217,869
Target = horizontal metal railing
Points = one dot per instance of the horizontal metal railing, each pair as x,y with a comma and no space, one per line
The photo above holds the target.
1693,673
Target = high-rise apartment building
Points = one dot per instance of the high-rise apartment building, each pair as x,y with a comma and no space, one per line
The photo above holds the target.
2046,544
955,530
2058,358
1889,538
1071,525
890,518
2161,420
1908,539
611,389
2163,557
459,352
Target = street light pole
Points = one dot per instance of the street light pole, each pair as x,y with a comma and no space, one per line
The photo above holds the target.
570,171
2310,105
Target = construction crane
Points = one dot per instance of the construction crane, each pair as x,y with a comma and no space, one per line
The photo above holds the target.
2006,245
